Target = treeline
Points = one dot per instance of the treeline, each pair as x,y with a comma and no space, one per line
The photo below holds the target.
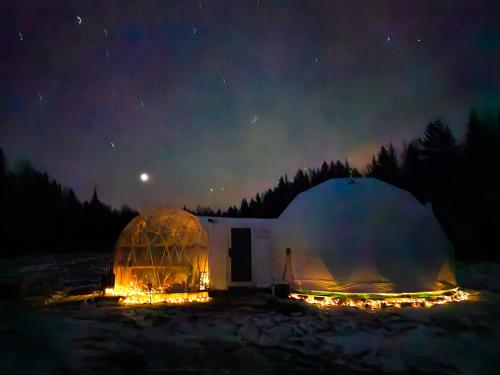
40,216
272,202
460,179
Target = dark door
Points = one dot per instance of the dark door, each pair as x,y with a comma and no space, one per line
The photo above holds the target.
241,254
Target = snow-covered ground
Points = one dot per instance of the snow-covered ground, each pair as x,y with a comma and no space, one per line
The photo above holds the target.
246,334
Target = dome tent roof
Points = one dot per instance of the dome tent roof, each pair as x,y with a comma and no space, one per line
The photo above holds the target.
164,227
366,236
164,249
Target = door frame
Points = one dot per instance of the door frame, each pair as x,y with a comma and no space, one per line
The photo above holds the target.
240,283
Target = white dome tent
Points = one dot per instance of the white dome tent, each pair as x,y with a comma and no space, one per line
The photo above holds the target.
363,237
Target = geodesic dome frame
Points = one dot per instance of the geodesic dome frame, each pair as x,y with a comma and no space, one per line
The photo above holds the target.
164,251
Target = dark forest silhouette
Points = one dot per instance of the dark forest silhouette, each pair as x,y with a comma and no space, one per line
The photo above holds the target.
271,203
40,216
461,180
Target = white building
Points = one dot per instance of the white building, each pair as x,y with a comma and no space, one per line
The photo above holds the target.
365,236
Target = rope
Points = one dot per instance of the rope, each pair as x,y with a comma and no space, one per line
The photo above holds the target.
284,271
288,255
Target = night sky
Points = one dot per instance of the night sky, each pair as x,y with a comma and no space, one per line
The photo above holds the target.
214,100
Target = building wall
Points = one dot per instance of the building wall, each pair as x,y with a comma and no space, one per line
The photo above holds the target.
264,266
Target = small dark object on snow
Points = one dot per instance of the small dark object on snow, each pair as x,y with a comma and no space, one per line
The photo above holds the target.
107,281
282,290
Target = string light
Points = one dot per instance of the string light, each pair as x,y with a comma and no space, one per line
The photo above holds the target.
134,296
383,300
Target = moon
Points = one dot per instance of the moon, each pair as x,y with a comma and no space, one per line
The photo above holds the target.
144,177
79,19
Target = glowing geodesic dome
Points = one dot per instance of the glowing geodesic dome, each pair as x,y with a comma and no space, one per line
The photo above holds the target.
165,250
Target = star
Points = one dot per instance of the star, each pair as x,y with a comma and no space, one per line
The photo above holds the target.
20,36
144,177
142,104
195,30
107,54
224,80
105,33
316,59
388,39
40,97
419,40
112,144
222,188
79,20
254,119
211,188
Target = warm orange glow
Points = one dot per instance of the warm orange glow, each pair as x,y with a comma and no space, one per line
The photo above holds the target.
162,256
204,282
131,296
382,300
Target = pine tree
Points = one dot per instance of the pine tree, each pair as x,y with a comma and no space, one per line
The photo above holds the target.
300,183
437,136
315,176
3,167
267,203
324,172
244,208
385,166
95,202
473,134
341,170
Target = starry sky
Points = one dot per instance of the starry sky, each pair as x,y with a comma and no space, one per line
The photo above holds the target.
214,100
